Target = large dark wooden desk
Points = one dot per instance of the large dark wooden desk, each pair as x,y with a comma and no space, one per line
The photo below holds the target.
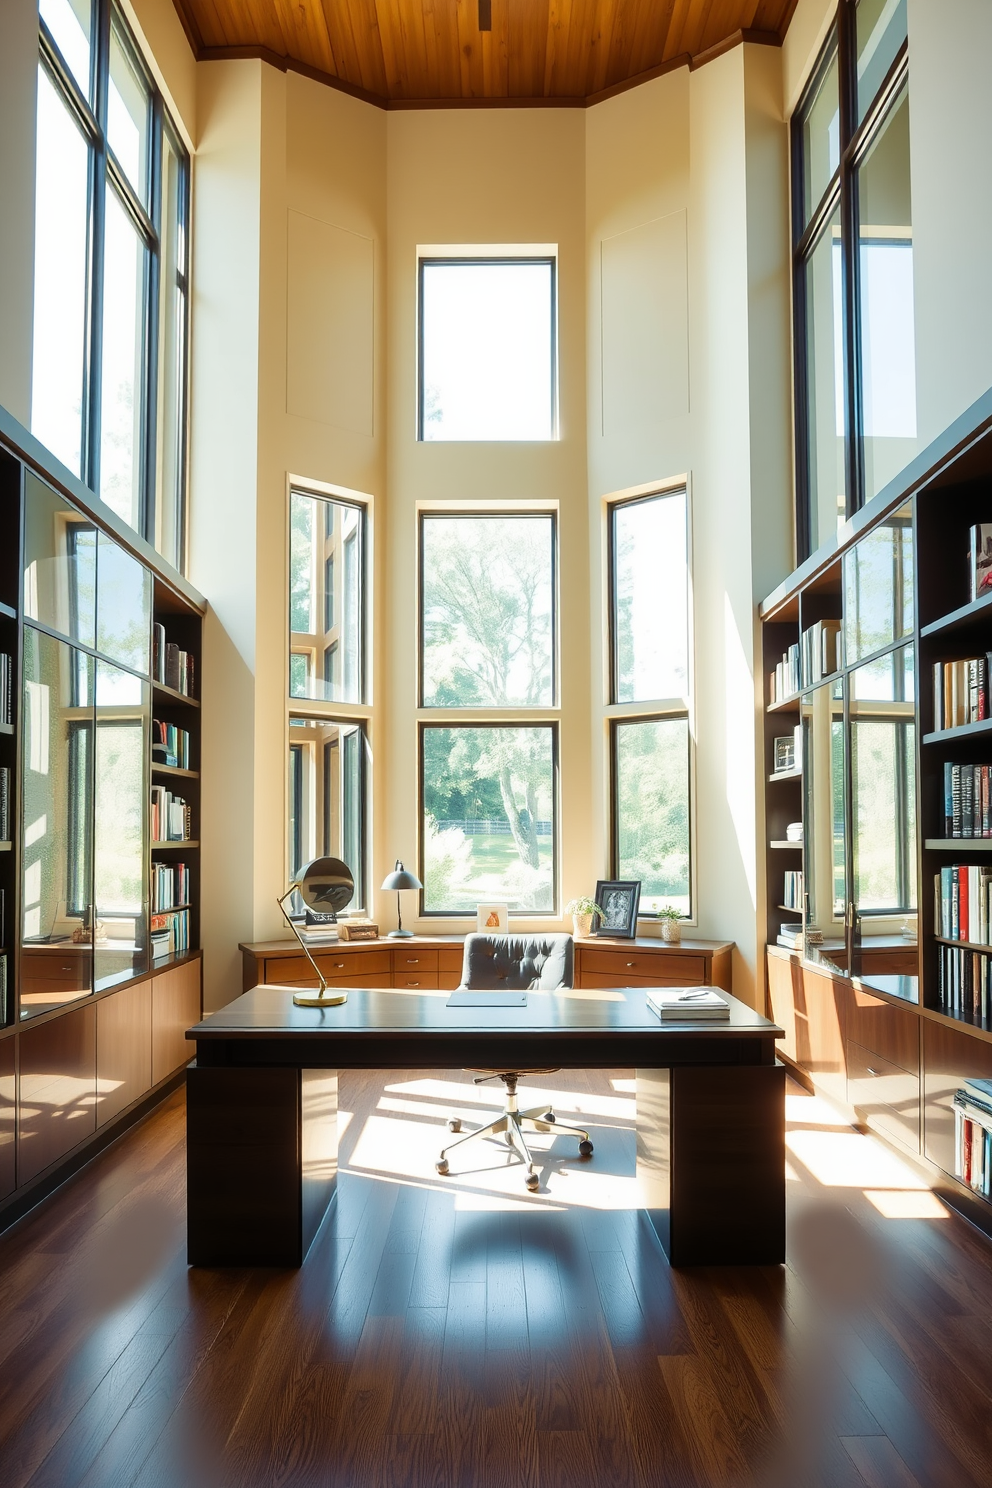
262,1110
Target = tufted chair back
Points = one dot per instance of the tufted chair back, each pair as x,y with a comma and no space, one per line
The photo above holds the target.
517,963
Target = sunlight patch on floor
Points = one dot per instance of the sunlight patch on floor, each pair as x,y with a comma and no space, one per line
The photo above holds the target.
625,1084
405,1149
846,1159
812,1110
491,1095
907,1203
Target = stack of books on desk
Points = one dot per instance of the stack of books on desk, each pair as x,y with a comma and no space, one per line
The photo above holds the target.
684,1004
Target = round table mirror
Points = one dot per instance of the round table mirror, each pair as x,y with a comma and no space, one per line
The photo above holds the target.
326,885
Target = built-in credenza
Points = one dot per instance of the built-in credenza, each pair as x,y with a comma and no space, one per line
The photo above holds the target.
427,962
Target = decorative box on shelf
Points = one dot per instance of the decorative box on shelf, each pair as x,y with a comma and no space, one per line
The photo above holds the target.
358,930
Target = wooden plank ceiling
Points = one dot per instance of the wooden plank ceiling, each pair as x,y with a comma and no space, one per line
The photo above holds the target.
401,53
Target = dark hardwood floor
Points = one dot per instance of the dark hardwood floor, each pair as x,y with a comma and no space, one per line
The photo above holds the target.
460,1332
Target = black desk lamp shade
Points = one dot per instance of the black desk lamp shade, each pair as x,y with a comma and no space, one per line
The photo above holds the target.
399,879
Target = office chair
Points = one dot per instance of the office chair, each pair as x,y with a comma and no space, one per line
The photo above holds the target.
511,963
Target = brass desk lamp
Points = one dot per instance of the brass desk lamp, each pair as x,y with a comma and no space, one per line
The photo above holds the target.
325,886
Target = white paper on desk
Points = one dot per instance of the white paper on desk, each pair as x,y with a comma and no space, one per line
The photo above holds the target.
463,998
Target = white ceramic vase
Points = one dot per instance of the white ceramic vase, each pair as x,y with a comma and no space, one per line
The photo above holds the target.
582,926
671,930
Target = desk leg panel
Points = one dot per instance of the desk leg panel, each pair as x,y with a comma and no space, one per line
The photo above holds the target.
711,1163
261,1163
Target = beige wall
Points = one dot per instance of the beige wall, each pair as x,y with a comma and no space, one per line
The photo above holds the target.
18,101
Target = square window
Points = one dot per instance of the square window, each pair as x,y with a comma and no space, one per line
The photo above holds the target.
487,349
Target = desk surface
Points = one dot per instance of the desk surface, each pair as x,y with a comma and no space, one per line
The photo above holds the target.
400,1029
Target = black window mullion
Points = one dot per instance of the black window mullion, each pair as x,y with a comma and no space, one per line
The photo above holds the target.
98,217
153,270
850,276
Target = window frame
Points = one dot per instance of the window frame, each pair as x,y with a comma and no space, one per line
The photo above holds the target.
489,259
856,140
521,721
344,715
106,174
649,710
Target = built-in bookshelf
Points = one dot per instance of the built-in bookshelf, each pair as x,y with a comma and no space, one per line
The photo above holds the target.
888,1004
95,996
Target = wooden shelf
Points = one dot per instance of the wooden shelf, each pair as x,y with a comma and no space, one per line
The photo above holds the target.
787,846
173,909
160,690
961,618
6,728
787,909
964,945
171,846
963,731
790,702
175,770
6,846
958,844
786,775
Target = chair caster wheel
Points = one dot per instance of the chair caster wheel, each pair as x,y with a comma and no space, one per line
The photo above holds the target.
585,1149
442,1166
550,1117
533,1182
454,1124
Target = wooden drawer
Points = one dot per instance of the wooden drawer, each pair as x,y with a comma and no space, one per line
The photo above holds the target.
73,964
591,979
414,962
892,1032
640,968
885,1093
450,958
426,979
450,979
334,965
371,979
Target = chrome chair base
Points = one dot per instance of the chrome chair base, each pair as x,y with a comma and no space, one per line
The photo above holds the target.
511,1125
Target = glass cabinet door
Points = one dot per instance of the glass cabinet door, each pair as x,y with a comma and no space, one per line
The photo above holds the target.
59,564
879,594
883,803
824,846
120,878
57,862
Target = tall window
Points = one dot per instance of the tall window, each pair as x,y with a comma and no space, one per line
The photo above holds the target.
111,287
489,722
853,270
649,708
328,702
487,349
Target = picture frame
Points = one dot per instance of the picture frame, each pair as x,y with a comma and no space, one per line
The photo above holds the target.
492,919
785,754
618,900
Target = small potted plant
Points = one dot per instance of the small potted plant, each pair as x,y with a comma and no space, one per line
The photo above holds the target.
671,928
582,911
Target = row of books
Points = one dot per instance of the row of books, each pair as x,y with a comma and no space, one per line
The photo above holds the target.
973,1135
4,804
171,666
6,688
962,903
820,645
963,984
792,889
170,745
171,816
170,934
170,886
960,692
785,680
967,800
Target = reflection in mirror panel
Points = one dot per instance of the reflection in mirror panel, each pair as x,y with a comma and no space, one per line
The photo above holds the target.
124,598
119,879
59,564
326,599
825,867
328,769
883,784
56,959
879,598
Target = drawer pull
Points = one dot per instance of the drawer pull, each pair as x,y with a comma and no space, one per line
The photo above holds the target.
872,1071
630,963
339,965
413,960
413,984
